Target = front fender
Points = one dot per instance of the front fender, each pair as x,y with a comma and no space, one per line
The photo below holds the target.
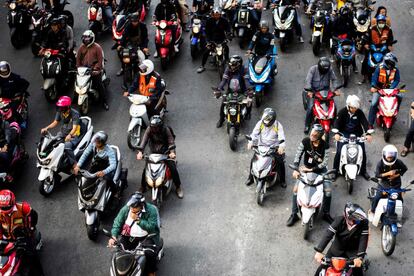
47,83
134,121
258,88
91,216
351,171
307,214
82,98
44,174
164,52
12,31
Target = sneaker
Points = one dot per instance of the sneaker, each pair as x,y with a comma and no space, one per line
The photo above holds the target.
176,48
404,152
399,225
366,176
249,181
327,217
283,185
300,38
120,72
370,216
355,70
362,81
306,130
219,123
155,54
179,192
292,220
201,69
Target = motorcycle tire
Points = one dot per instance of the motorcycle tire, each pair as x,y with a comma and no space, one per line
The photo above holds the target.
194,51
134,137
307,228
128,75
35,49
92,231
350,185
316,46
259,99
305,100
164,63
345,71
84,107
95,28
232,138
51,94
47,187
387,134
283,44
70,21
15,40
260,193
387,236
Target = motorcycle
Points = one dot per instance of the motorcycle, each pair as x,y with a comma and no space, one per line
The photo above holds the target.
198,35
217,51
337,266
52,160
95,16
158,176
283,17
51,70
83,87
95,194
263,170
139,117
261,74
20,115
389,213
163,40
131,58
243,27
362,21
345,54
351,157
319,23
131,262
18,19
388,108
40,26
310,196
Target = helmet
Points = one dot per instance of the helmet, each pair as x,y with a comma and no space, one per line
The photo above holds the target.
264,24
354,213
100,136
344,11
269,116
5,69
390,60
353,101
319,129
7,201
156,121
235,62
389,155
134,17
55,21
88,38
136,199
64,101
216,10
146,67
324,64
381,18
63,19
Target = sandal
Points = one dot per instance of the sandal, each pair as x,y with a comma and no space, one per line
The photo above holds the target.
404,153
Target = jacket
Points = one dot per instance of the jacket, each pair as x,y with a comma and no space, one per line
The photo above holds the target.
268,136
90,57
56,41
136,36
348,124
13,85
129,6
383,78
263,44
384,37
314,158
149,221
5,134
152,81
242,75
159,141
216,29
107,153
382,168
18,223
315,81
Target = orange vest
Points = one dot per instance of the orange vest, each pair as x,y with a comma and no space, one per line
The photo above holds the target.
379,38
10,223
144,87
384,79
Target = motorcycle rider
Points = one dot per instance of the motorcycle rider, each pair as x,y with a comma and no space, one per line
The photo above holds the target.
389,169
130,6
12,86
351,120
269,132
107,12
18,221
135,33
148,83
8,140
409,138
160,138
350,233
320,77
315,159
381,10
71,126
103,161
166,10
235,70
69,37
386,75
26,3
134,222
90,54
217,28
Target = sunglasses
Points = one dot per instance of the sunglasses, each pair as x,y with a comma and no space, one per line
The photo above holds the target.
412,107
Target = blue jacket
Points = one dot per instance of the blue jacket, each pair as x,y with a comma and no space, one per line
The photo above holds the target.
106,153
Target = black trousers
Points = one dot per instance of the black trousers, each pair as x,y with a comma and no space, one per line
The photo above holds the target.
172,165
409,138
97,83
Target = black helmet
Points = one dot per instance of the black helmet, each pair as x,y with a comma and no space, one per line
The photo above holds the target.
134,17
100,136
319,129
390,60
55,21
156,121
136,199
354,213
269,116
324,64
235,63
344,11
63,19
264,24
4,69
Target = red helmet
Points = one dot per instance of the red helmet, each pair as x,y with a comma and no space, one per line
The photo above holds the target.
64,101
7,201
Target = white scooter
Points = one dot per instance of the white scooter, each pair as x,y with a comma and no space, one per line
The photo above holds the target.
351,157
52,160
95,193
283,17
310,196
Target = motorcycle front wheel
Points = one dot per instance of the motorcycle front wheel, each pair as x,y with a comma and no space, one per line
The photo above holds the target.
350,184
194,51
345,71
259,98
260,193
307,228
134,137
84,107
316,46
232,138
92,231
51,93
164,63
47,186
387,134
283,44
388,240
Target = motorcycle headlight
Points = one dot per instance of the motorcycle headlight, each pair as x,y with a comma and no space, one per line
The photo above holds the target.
93,10
159,181
126,60
163,25
196,29
394,196
12,6
47,54
232,111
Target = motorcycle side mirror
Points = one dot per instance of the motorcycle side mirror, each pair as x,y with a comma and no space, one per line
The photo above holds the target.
370,131
249,138
373,2
412,182
106,233
402,86
374,179
339,87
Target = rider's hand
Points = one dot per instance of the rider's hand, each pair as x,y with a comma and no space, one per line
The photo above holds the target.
373,89
337,137
295,174
76,170
111,242
172,155
369,138
3,149
140,155
248,52
358,262
68,138
304,169
119,48
249,145
146,51
281,150
126,94
43,130
318,257
310,95
100,174
366,46
337,93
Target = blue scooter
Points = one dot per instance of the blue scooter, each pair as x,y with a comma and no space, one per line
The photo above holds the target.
375,56
262,70
198,35
389,212
345,54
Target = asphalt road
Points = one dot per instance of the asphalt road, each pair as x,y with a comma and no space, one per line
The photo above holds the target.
217,229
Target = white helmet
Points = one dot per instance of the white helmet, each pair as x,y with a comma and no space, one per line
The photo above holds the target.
353,101
88,38
146,67
389,151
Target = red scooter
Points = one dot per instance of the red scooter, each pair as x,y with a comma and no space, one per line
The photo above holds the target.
163,40
121,20
388,109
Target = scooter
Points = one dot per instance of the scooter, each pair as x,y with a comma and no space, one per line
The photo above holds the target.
263,171
338,266
198,35
283,17
243,26
131,262
95,17
118,27
18,19
158,176
375,56
52,160
40,26
388,109
262,71
20,115
163,40
362,21
51,70
310,196
389,213
345,54
351,157
95,194
319,22
217,51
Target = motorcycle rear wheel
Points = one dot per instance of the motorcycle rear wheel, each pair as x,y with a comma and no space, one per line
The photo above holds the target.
307,228
194,51
316,46
350,185
388,240
70,21
134,137
92,231
164,63
232,138
35,47
345,71
283,44
16,40
259,99
387,134
51,93
84,107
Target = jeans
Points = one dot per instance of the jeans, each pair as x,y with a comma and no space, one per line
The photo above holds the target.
309,112
409,139
374,107
108,17
69,147
337,158
172,165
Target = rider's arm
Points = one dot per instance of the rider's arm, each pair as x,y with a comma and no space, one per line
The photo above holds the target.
135,84
375,76
402,168
329,234
144,140
79,54
144,35
69,32
309,77
99,56
22,85
150,224
273,48
112,160
324,163
334,78
246,78
396,81
85,155
363,240
364,122
299,153
120,6
256,132
170,138
225,80
281,135
119,221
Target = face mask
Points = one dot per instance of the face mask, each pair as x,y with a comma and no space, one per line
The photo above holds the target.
381,25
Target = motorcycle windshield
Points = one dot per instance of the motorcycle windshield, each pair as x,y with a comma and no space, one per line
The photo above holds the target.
124,262
324,93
